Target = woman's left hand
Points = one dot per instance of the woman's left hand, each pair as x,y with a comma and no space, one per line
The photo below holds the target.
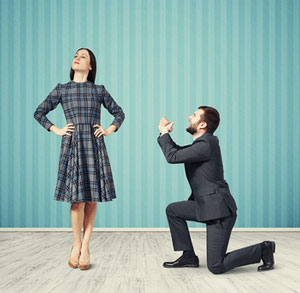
100,131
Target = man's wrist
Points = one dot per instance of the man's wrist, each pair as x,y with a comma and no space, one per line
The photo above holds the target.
162,133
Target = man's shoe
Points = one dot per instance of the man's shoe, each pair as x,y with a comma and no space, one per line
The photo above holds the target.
268,248
183,261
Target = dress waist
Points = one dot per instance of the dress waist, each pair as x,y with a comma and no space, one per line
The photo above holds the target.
83,123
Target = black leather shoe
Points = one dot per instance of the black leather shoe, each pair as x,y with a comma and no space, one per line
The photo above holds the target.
183,261
268,248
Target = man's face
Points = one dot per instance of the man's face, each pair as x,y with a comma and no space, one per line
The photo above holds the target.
195,119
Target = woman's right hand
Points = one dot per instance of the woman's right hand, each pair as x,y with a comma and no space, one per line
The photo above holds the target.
63,131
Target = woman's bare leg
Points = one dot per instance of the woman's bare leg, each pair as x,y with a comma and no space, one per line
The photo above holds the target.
77,216
88,224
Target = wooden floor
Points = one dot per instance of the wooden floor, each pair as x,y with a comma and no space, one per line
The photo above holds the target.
132,262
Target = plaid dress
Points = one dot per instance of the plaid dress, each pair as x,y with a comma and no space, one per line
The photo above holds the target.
84,172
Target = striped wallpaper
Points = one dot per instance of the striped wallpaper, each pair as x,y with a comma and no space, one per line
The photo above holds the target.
155,58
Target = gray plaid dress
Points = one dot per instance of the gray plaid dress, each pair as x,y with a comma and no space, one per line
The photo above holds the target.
84,172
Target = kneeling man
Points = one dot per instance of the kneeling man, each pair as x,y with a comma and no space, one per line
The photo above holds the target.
210,201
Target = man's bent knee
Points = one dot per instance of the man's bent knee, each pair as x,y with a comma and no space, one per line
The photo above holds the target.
216,269
170,209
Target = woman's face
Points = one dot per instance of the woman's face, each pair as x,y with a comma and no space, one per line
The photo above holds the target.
81,61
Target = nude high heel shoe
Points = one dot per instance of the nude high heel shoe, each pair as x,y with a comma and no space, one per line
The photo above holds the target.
84,266
73,265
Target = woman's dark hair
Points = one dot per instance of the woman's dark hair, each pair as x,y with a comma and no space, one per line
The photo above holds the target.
92,74
211,117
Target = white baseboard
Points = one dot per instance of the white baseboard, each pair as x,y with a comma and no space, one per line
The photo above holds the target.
8,229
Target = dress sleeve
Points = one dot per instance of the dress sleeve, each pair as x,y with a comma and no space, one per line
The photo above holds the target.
112,107
49,104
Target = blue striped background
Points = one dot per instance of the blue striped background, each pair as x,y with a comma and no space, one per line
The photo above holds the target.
156,58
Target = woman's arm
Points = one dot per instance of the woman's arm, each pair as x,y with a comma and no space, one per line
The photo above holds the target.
111,129
49,104
113,108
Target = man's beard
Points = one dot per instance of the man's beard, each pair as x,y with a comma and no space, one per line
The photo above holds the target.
192,129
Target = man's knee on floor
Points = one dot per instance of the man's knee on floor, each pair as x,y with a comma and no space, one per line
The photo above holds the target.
216,268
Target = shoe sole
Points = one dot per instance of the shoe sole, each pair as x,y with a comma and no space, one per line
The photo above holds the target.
264,270
184,266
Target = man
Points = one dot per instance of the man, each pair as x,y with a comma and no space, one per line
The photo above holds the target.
210,201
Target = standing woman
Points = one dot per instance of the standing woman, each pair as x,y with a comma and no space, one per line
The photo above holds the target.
84,173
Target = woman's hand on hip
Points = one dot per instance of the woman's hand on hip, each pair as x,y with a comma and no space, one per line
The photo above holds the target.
100,131
63,131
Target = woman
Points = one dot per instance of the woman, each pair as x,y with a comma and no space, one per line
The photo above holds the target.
84,173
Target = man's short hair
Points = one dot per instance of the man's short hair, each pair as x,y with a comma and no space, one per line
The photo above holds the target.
212,118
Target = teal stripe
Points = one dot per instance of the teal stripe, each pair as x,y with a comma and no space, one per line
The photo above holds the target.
29,109
4,118
125,191
266,114
271,103
24,162
283,108
260,113
241,95
289,114
277,112
11,138
295,215
37,188
16,124
254,100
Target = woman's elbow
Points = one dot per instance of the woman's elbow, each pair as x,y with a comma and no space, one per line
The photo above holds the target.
122,116
37,115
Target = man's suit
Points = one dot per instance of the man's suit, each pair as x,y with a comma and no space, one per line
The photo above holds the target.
210,202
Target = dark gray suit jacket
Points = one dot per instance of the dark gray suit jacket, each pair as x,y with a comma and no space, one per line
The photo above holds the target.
204,170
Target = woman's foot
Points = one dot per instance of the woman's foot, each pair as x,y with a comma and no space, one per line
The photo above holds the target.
74,256
84,260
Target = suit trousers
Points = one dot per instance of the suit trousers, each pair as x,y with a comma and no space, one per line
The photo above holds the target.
217,237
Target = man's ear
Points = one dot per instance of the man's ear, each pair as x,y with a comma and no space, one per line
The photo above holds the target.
202,125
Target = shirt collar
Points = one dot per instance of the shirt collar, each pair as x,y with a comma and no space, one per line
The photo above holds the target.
202,135
198,136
